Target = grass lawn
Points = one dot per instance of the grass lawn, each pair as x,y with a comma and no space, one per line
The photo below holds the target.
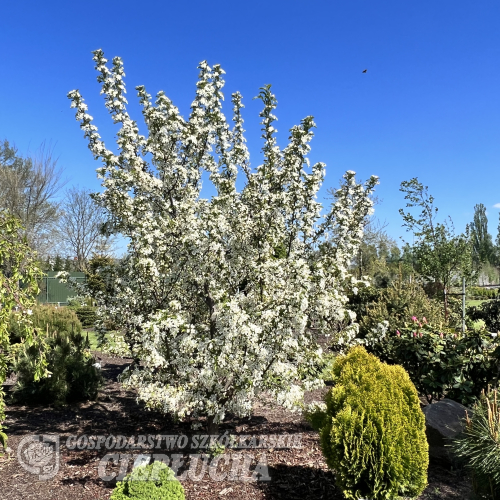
92,338
475,302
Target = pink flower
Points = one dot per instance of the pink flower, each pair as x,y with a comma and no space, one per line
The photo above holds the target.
441,335
414,318
421,334
424,320
420,325
398,333
414,334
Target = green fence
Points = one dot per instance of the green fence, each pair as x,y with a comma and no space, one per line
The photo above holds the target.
52,291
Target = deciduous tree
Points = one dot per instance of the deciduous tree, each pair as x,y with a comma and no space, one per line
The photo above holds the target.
215,295
82,227
28,189
19,275
439,255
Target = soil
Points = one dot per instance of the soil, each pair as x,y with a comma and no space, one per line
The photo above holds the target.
295,472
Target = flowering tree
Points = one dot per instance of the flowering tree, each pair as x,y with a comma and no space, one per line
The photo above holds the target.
215,296
17,264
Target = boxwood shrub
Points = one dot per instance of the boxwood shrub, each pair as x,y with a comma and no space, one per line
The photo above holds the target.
149,482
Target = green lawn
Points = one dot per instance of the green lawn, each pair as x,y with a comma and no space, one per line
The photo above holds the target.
475,302
92,338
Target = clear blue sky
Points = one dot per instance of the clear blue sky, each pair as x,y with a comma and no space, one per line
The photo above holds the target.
429,105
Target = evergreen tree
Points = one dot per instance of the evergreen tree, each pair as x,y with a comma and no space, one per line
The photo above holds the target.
58,263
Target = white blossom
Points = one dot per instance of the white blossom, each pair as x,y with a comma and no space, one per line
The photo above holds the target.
215,296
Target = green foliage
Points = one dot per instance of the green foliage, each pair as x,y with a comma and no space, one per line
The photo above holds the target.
78,301
46,318
84,310
477,292
378,257
439,255
17,266
489,312
86,315
149,482
396,304
101,274
73,374
482,243
374,432
439,361
316,415
479,446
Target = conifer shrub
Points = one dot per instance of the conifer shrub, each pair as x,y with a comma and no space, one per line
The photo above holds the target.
373,431
86,315
84,309
477,292
149,482
73,374
479,446
47,318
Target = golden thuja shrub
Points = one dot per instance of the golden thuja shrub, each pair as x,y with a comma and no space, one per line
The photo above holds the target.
373,433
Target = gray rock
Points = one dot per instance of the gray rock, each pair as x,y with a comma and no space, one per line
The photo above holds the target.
443,421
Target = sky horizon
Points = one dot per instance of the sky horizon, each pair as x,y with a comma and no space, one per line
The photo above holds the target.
427,106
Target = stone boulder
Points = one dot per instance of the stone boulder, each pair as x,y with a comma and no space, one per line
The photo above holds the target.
443,421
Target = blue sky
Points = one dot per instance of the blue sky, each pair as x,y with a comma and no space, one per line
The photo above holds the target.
428,106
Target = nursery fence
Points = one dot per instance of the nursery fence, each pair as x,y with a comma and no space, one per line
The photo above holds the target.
52,291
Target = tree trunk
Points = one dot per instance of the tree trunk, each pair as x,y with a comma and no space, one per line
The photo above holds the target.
212,427
445,305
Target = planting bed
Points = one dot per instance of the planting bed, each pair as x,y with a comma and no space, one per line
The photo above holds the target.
296,473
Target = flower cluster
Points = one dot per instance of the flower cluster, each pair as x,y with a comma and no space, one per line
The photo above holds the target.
215,296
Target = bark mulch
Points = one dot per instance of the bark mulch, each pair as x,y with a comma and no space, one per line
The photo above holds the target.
296,473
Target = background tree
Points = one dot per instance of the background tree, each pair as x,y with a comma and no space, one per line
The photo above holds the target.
482,245
28,189
378,256
439,255
81,226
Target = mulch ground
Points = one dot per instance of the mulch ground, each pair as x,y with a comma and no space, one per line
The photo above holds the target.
296,473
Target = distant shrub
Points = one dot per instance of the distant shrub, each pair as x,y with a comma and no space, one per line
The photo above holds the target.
47,318
86,315
73,374
439,361
396,304
373,430
78,301
477,292
479,446
489,312
149,482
